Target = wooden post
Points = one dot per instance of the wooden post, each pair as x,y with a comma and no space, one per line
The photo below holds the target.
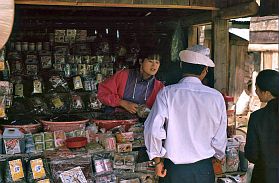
192,35
221,53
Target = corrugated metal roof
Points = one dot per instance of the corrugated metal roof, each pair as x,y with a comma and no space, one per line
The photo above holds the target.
243,33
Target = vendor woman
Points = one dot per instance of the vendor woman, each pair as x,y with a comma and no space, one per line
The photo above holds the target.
129,88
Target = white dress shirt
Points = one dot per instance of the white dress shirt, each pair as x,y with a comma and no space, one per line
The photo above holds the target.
187,123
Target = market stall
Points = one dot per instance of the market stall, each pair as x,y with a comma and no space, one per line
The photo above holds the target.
54,128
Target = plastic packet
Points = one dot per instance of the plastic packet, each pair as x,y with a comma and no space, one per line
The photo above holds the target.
77,103
107,178
143,111
57,81
147,167
74,175
29,143
77,83
38,106
2,169
102,163
94,102
2,107
59,165
58,103
37,169
137,177
108,141
125,160
124,137
15,170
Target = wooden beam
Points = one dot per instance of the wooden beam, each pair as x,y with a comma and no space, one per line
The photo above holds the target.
221,53
197,19
270,23
240,10
111,5
263,47
264,37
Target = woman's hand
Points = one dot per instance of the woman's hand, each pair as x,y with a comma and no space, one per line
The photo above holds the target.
129,106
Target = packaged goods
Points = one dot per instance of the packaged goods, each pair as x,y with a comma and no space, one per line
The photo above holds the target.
13,141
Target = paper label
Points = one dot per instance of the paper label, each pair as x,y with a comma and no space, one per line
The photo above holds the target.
16,169
37,167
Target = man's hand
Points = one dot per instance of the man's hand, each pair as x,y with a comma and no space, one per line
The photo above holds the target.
129,106
160,170
159,167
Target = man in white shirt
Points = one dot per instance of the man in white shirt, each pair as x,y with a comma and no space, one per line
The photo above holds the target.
187,124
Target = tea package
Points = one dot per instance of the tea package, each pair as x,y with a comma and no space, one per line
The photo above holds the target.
14,171
37,169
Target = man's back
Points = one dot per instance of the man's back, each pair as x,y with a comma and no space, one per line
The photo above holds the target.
195,113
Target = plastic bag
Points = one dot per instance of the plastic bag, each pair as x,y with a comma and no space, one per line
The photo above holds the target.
59,165
178,43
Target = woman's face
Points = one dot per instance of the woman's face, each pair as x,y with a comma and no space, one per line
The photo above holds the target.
149,67
263,95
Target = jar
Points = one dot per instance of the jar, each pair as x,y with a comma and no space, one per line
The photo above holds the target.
39,46
31,46
18,46
24,46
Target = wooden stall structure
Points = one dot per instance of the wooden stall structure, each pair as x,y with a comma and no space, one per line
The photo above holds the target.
264,38
142,17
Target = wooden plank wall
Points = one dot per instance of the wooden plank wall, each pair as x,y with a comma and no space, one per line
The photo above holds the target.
241,66
264,30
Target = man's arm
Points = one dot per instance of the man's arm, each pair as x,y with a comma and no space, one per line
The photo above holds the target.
219,141
154,133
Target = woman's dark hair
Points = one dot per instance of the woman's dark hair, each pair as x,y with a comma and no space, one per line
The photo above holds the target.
194,69
268,80
150,54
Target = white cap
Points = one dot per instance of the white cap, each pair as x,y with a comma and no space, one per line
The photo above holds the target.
197,54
